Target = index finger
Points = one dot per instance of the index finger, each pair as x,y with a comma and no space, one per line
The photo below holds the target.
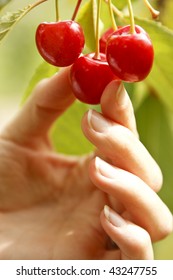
49,99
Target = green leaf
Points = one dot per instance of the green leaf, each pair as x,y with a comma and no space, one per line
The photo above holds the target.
138,92
67,136
160,78
105,16
163,249
3,3
8,20
44,70
121,4
155,127
87,19
166,13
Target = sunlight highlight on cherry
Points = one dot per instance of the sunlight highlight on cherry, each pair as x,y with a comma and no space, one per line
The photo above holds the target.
89,77
60,43
130,56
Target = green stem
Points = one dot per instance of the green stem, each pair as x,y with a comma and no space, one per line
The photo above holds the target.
132,22
112,15
30,7
36,4
97,51
115,10
76,9
57,10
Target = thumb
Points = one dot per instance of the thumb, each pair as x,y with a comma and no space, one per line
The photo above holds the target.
50,99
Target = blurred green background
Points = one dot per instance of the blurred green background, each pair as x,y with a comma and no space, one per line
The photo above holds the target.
152,99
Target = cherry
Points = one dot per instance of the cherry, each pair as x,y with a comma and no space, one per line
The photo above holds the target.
89,76
60,43
130,56
104,38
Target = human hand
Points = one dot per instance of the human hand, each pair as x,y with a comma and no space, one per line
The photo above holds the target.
128,175
50,204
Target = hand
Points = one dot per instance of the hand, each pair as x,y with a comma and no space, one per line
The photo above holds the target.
128,175
50,204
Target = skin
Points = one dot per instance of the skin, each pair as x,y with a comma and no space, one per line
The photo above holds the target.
51,205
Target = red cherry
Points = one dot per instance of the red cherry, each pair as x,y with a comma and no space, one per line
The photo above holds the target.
104,38
130,56
89,77
60,43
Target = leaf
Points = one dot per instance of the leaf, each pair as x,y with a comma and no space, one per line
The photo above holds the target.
3,3
8,20
67,136
155,127
105,16
120,4
138,92
166,13
163,249
44,70
87,19
160,78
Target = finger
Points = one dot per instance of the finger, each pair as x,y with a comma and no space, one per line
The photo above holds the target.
116,105
133,241
122,148
144,205
49,100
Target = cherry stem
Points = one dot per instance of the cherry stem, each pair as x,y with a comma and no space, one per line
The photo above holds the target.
36,4
32,6
29,8
97,51
76,9
115,10
132,22
57,10
153,12
112,15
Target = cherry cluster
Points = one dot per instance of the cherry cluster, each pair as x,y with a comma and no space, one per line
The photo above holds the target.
123,56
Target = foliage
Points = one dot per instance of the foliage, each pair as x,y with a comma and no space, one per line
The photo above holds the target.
3,3
152,98
9,19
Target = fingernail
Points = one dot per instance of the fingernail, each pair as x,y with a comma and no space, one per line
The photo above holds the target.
105,169
120,94
97,122
113,217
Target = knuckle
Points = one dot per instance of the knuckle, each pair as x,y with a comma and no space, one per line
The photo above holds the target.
120,139
163,229
143,240
122,144
157,180
145,250
139,242
167,228
40,85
